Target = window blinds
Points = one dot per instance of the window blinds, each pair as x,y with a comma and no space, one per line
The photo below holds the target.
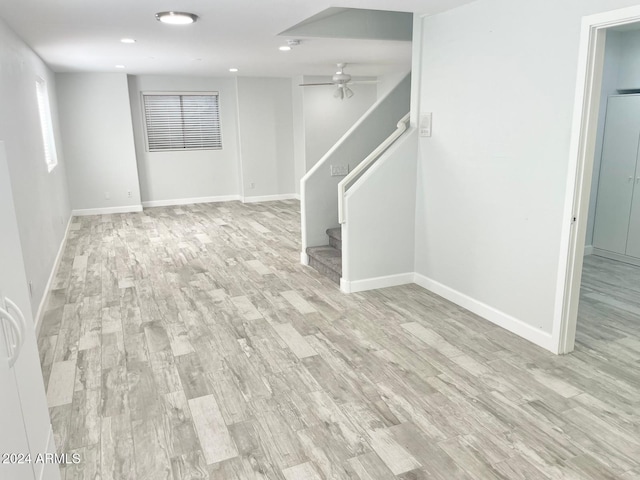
182,121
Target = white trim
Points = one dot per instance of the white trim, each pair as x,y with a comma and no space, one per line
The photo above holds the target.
304,258
190,201
579,172
616,256
512,324
271,198
106,210
354,286
588,250
52,275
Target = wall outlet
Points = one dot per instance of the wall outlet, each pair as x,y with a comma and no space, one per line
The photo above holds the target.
107,195
129,193
252,185
339,170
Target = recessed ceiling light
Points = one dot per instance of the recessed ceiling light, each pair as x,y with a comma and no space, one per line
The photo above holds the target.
284,48
127,40
233,70
119,66
176,18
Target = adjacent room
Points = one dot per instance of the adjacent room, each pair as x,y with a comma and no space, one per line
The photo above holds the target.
300,240
610,279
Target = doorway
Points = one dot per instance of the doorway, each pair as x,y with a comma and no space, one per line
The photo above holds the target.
581,205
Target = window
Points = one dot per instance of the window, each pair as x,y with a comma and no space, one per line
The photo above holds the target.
182,121
46,125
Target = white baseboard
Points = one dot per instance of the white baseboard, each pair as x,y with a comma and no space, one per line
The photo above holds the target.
588,250
271,198
304,258
190,201
106,210
512,324
52,275
354,286
616,256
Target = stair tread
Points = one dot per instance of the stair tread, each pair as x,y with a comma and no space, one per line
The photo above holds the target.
328,256
335,233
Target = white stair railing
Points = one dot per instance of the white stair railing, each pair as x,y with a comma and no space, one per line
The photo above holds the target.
364,165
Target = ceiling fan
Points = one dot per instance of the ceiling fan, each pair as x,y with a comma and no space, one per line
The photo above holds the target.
342,81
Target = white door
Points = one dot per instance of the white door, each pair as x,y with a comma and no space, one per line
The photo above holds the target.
617,173
27,374
633,239
13,438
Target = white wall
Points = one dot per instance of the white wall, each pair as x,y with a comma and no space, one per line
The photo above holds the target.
299,148
387,82
265,114
40,197
319,188
326,119
610,80
166,176
378,237
499,77
95,120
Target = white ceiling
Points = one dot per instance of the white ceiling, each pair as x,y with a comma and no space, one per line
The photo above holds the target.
84,35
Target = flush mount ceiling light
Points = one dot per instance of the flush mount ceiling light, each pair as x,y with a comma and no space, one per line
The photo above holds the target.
120,66
233,70
176,18
289,45
127,40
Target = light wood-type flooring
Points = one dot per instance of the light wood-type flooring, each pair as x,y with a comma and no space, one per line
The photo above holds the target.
188,342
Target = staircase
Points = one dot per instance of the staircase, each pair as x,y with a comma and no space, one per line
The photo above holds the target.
327,259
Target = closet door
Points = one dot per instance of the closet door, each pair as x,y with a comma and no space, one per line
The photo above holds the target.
617,173
13,438
633,240
25,376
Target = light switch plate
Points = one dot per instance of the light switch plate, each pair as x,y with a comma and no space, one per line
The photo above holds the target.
425,124
339,170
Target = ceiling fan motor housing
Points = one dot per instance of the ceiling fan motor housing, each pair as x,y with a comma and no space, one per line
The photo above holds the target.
341,78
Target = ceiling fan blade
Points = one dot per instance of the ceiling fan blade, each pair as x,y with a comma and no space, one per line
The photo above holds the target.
315,84
363,82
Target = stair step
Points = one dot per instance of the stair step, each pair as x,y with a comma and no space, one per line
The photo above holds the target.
327,260
335,237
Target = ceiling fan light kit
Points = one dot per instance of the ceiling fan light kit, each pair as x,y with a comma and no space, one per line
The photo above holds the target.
340,80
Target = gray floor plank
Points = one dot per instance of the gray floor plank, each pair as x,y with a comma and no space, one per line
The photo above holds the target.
189,342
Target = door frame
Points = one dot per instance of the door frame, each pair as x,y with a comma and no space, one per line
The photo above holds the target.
582,150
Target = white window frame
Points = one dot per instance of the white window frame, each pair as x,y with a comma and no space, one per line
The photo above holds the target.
46,124
178,93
